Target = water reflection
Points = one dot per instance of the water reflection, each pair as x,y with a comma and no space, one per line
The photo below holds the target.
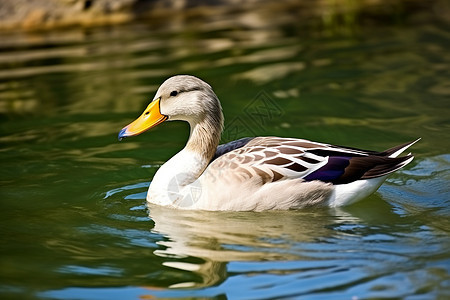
354,250
220,237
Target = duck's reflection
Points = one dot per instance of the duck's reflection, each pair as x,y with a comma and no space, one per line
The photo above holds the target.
220,237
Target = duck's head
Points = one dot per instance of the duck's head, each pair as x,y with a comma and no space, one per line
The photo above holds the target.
181,97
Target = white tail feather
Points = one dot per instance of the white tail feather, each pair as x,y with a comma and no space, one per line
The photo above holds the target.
399,151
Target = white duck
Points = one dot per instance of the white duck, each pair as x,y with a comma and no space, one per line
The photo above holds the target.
252,174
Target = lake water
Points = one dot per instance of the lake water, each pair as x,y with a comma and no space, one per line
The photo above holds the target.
74,221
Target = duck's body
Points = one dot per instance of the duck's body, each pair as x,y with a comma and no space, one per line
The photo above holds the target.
253,174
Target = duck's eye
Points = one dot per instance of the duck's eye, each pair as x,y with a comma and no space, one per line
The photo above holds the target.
173,93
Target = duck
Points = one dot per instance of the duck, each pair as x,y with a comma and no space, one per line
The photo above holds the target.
252,173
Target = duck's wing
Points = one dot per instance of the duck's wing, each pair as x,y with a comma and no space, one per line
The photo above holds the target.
269,159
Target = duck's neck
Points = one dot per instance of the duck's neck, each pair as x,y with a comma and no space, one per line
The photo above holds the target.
204,137
174,179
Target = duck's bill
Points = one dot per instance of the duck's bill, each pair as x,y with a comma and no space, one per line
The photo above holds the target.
150,118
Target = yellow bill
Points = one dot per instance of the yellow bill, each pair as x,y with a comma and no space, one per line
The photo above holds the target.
150,118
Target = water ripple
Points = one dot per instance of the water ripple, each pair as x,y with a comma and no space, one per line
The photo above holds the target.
115,191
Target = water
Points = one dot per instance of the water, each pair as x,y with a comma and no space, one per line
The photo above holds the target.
74,222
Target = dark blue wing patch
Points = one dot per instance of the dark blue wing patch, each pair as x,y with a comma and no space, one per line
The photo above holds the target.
345,169
332,171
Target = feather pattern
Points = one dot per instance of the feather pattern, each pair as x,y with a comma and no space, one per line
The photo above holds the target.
274,158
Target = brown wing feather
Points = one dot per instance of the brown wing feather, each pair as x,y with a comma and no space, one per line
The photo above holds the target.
366,167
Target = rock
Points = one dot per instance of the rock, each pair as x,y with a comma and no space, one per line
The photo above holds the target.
34,18
48,14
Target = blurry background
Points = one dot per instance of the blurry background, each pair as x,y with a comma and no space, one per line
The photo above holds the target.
73,220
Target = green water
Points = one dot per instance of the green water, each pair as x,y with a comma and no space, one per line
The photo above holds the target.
74,223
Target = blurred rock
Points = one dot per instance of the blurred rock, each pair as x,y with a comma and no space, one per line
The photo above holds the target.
48,14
